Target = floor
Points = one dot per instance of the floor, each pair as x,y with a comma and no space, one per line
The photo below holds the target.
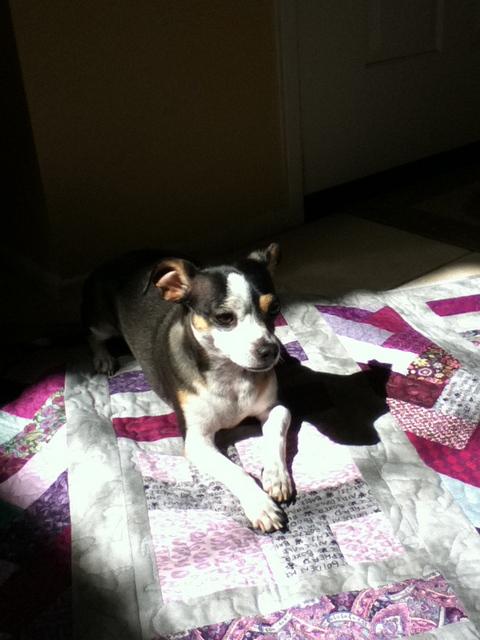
344,252
332,256
444,206
423,231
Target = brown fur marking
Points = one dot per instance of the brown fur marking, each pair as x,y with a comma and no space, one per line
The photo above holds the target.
183,396
200,323
265,302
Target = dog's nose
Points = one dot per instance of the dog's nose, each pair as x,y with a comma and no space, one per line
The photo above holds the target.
267,351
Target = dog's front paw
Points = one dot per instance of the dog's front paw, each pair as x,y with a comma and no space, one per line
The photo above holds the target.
264,514
277,483
105,363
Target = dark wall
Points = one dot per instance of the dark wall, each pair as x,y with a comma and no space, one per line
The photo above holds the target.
154,123
24,218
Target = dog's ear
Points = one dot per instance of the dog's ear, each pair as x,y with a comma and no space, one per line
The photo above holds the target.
269,256
173,277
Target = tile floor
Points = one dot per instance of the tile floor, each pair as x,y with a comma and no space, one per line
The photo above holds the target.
342,252
423,231
444,206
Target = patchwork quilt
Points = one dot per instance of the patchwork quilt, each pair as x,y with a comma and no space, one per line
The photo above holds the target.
106,531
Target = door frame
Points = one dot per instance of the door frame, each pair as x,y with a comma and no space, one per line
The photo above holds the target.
289,100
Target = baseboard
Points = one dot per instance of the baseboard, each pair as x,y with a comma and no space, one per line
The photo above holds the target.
338,198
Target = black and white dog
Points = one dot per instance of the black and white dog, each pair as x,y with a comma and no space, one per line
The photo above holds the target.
204,338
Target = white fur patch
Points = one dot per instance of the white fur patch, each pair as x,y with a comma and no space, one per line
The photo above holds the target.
238,343
238,292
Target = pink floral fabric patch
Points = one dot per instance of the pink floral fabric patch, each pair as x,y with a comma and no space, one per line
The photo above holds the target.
366,539
434,365
204,552
448,430
45,423
192,514
357,330
390,612
163,467
31,401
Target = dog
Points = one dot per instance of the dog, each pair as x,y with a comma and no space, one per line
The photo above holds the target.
205,340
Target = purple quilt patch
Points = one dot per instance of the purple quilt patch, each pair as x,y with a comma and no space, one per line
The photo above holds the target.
347,313
412,390
452,306
147,428
394,611
408,340
33,398
39,526
295,350
357,330
131,381
9,466
388,319
52,509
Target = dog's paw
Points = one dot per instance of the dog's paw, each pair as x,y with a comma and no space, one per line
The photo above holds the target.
105,363
264,514
277,483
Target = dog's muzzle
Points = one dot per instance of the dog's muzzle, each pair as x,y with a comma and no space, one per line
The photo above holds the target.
266,354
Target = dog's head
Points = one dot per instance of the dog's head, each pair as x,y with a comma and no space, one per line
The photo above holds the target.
231,308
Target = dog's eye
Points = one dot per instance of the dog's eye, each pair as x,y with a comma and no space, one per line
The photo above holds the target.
225,319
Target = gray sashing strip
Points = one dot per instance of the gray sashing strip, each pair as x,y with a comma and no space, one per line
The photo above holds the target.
149,595
105,603
463,630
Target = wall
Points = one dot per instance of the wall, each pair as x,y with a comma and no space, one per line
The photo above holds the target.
24,228
384,83
155,123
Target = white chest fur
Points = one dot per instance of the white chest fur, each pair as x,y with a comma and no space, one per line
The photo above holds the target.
224,400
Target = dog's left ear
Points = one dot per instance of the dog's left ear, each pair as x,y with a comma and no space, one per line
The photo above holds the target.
269,256
174,278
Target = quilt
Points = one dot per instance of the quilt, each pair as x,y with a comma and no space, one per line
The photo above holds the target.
106,531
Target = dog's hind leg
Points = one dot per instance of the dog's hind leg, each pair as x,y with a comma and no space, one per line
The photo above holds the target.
103,361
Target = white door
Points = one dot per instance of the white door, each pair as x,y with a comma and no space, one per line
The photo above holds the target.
384,82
